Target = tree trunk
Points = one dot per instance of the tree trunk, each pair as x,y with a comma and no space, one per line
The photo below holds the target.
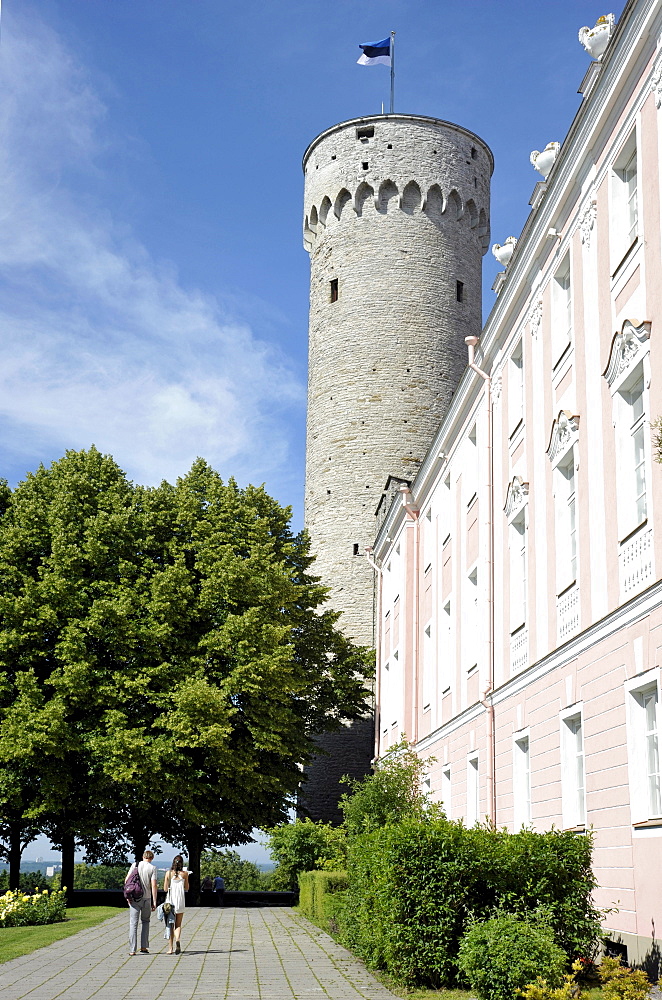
15,852
139,839
68,853
194,845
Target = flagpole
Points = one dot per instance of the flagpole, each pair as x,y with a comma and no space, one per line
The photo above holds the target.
392,68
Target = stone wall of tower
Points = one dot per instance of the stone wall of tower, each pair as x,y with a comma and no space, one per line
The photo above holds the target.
396,220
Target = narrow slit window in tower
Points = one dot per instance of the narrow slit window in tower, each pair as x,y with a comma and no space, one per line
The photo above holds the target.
474,153
365,164
459,291
356,549
333,290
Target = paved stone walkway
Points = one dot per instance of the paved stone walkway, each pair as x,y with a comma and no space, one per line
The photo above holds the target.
265,953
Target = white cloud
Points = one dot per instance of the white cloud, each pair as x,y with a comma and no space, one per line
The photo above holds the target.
98,341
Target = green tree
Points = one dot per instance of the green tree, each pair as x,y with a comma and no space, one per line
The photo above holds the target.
175,650
237,873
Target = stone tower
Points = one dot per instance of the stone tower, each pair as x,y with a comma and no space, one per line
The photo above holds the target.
396,220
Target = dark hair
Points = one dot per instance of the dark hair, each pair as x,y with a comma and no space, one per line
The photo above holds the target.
177,863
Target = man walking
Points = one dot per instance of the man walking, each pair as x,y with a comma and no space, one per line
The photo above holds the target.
142,909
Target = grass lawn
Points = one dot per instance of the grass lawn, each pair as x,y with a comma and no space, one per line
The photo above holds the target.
17,941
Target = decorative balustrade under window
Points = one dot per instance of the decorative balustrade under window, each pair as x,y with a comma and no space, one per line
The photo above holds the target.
635,562
519,650
567,613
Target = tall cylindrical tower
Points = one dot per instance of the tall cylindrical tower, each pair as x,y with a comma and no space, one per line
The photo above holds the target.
396,220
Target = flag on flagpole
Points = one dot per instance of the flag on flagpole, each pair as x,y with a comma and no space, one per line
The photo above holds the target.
375,53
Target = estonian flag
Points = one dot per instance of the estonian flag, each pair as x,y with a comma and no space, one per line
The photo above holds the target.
375,53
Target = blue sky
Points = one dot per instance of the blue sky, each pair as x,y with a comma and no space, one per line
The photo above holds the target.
153,286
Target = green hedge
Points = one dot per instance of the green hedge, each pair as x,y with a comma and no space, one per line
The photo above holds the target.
321,895
414,887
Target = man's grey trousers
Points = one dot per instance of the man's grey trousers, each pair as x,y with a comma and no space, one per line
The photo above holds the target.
142,911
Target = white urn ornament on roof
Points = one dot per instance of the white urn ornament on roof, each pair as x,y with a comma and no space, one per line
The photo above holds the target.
596,39
543,161
504,252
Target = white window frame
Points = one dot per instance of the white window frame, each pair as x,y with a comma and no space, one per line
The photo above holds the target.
470,466
521,779
643,747
516,387
565,507
573,767
446,789
472,811
562,306
625,215
632,451
470,618
517,548
428,668
447,652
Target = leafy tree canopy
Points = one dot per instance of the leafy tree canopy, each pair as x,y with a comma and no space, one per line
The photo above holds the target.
165,658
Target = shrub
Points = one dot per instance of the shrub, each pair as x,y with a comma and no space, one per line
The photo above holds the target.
414,887
619,982
501,956
569,990
320,897
391,794
17,909
304,846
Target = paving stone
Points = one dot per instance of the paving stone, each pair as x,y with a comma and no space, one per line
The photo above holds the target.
266,953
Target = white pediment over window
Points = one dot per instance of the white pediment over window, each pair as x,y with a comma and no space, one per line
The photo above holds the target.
516,496
627,348
565,432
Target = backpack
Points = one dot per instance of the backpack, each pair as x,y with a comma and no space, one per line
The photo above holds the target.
133,887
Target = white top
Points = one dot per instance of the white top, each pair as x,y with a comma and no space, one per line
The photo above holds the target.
176,892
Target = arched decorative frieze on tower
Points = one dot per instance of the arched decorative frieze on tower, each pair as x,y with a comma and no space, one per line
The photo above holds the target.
395,288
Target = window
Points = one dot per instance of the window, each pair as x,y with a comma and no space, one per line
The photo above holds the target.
459,291
515,388
566,522
472,790
573,792
333,290
367,132
470,466
630,184
521,783
446,790
643,747
625,201
428,665
631,444
561,310
470,619
447,658
517,546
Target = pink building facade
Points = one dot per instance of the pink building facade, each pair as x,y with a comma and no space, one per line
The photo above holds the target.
520,576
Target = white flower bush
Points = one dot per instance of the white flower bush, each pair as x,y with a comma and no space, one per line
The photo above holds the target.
18,909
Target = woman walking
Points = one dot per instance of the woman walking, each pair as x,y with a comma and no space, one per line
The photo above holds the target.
175,884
